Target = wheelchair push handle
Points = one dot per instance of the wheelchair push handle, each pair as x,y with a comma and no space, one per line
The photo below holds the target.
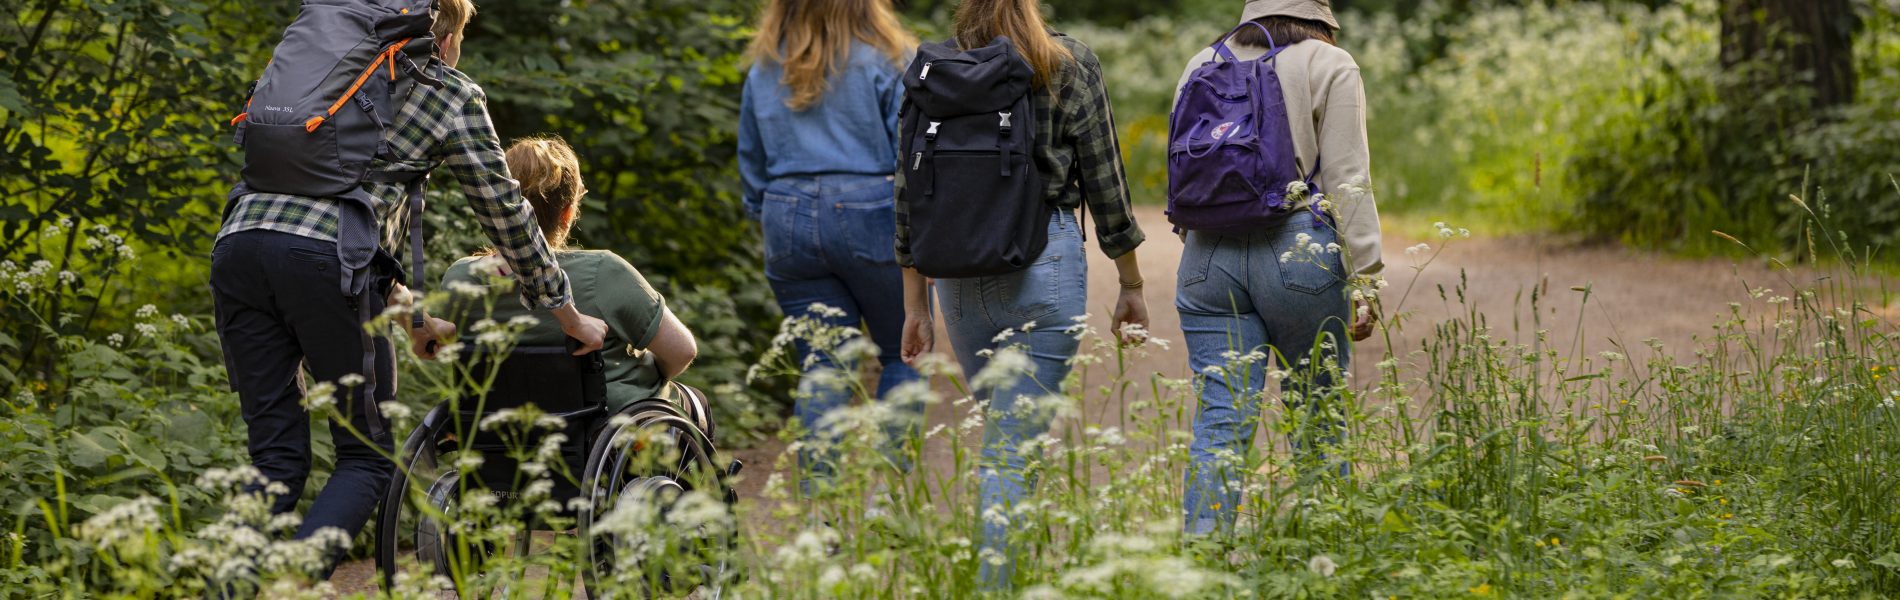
592,360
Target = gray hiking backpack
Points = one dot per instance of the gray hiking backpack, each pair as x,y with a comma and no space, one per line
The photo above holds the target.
315,120
316,117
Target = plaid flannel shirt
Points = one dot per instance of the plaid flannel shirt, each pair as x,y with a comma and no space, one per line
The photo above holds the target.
1078,153
448,126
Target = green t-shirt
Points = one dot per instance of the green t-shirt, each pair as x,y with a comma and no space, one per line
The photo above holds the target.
605,286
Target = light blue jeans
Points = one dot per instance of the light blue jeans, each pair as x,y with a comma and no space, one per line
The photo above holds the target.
828,240
1236,297
1051,293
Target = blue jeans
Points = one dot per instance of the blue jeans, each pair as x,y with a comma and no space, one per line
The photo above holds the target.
1236,298
830,240
1051,293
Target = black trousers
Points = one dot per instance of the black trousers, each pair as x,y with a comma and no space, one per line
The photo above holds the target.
279,310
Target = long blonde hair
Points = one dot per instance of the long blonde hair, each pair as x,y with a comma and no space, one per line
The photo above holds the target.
979,21
811,40
550,176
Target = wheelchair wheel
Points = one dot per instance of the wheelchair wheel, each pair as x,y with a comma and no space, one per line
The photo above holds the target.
414,529
643,463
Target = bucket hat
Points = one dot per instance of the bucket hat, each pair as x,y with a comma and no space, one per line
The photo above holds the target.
1312,10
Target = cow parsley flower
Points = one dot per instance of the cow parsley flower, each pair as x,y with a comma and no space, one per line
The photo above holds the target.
1296,190
320,396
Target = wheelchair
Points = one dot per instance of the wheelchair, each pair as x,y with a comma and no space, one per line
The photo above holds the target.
653,451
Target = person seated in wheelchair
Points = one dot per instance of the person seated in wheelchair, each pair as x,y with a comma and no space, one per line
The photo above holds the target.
646,345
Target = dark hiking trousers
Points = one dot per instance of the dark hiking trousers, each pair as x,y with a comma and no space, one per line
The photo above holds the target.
280,309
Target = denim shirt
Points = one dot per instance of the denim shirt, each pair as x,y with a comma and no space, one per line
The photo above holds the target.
851,131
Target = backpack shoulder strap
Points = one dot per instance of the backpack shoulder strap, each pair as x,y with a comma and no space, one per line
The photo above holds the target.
1221,49
414,185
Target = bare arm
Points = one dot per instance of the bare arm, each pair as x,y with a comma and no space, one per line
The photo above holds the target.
673,346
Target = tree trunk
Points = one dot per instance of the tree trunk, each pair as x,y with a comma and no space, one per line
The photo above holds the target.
1803,42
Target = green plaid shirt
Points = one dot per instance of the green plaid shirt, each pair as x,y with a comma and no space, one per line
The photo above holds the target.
1077,153
447,126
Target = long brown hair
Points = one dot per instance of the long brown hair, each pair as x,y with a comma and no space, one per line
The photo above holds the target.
1286,31
811,40
550,176
979,21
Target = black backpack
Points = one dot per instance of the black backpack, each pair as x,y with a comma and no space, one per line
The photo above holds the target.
974,196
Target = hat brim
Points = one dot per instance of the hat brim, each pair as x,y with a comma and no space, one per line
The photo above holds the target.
1298,9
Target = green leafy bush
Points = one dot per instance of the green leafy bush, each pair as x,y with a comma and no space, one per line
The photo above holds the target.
1692,147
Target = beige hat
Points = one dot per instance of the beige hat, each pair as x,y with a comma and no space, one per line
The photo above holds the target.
1312,10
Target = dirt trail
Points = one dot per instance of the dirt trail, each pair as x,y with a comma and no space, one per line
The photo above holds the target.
1633,296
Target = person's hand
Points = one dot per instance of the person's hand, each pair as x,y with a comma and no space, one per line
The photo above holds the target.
1364,316
589,331
427,339
1131,309
920,335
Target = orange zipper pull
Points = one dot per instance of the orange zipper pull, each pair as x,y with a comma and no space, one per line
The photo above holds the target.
311,125
240,117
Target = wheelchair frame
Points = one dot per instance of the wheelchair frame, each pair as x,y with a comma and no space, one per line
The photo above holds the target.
608,443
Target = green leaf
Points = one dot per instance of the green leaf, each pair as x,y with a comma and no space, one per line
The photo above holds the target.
91,449
1891,560
1393,522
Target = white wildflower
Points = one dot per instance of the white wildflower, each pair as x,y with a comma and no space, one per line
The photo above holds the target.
320,396
146,312
465,288
351,380
396,411
523,321
116,339
1296,189
1322,565
146,329
181,321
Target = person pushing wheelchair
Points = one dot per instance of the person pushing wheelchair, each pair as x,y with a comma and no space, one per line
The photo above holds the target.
335,156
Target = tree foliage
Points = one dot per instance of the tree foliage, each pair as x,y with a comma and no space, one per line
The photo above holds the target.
116,114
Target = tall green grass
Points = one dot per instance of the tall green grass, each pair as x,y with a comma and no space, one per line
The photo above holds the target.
1490,461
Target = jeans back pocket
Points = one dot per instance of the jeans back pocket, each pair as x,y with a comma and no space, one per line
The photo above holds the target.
1309,258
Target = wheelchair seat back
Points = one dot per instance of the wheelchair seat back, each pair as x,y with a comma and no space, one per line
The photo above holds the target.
554,381
549,377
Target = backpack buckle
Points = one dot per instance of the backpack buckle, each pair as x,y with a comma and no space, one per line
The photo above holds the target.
931,134
1005,124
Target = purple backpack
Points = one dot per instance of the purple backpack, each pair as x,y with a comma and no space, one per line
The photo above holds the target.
1230,145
